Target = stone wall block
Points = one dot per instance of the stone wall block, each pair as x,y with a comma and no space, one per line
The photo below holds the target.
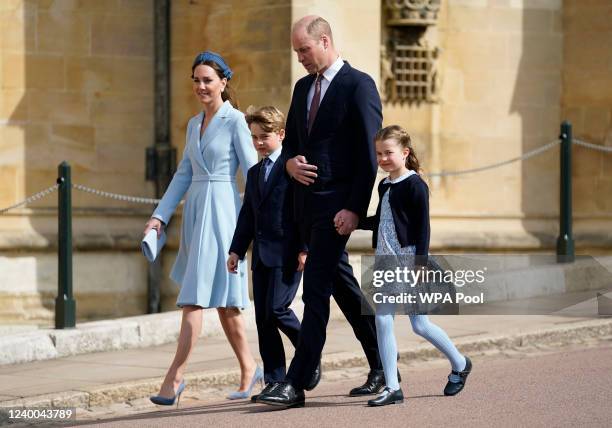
597,123
45,72
8,185
108,109
17,30
536,53
121,149
119,35
13,105
196,32
261,29
13,71
91,6
63,32
584,189
89,74
590,89
603,194
592,17
69,108
586,51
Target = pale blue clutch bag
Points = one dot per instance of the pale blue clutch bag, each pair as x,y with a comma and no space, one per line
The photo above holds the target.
151,245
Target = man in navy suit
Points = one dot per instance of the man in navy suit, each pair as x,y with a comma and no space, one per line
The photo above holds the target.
266,219
328,151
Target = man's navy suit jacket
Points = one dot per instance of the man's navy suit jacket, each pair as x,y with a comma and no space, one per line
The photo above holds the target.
340,144
267,220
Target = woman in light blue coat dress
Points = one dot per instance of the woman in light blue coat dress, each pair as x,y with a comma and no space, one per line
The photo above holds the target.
218,141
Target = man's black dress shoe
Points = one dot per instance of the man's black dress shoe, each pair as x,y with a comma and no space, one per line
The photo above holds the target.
266,389
375,382
316,378
373,385
455,388
387,397
283,394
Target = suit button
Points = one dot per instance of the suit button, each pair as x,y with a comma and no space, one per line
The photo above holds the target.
259,233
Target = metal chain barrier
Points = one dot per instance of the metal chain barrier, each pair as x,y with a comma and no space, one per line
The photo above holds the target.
592,146
151,201
32,198
116,196
525,156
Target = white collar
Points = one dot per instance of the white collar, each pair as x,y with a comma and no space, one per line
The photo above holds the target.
333,69
275,154
401,177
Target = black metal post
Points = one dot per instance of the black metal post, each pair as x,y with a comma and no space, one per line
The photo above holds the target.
565,242
65,306
161,157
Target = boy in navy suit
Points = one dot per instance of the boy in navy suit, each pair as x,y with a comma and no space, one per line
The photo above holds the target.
266,219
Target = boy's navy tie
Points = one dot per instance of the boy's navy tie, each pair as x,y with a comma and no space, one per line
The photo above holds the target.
263,175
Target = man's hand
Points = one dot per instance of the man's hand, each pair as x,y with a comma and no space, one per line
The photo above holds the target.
300,170
301,261
346,222
232,263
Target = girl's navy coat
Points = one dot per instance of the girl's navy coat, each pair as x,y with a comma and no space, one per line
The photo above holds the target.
409,200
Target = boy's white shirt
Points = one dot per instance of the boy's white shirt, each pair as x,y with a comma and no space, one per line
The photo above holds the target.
275,154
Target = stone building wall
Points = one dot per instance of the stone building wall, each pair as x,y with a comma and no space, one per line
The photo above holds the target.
76,83
587,104
500,75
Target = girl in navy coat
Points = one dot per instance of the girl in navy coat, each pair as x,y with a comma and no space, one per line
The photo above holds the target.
401,228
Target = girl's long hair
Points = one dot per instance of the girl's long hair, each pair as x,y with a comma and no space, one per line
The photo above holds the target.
399,134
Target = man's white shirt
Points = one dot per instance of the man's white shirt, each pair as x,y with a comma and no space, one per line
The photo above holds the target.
328,76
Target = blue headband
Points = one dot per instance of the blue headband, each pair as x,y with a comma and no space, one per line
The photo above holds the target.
217,59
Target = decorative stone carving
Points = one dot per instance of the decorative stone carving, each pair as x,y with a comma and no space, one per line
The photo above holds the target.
408,63
412,12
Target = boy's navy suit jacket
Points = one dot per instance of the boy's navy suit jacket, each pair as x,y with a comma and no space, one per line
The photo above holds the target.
268,221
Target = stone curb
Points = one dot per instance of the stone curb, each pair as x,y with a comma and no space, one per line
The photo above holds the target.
108,335
573,332
140,331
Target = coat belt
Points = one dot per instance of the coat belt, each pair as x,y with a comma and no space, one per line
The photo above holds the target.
213,177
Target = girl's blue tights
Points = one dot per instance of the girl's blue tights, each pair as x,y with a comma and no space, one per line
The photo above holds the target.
421,325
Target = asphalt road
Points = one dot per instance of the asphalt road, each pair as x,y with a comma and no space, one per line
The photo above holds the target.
558,387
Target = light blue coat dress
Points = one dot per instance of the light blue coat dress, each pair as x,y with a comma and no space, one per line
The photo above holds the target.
207,174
